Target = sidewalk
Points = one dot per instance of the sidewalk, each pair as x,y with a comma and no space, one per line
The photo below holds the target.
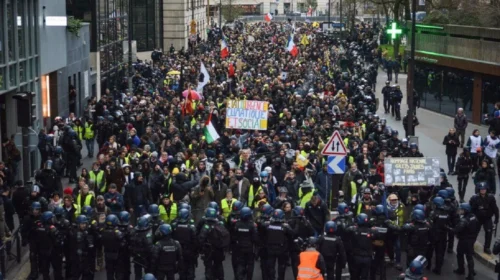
431,131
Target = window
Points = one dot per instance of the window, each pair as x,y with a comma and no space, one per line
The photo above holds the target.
21,26
444,89
2,41
10,30
2,78
490,95
12,76
23,71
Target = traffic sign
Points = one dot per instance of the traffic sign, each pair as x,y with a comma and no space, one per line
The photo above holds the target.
335,146
193,26
336,164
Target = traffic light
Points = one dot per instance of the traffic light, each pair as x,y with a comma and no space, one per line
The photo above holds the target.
26,108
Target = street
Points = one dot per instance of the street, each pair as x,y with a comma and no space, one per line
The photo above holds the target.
433,127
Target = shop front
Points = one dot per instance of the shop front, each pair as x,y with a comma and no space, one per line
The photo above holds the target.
445,83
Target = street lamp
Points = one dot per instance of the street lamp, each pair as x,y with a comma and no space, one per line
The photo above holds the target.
411,71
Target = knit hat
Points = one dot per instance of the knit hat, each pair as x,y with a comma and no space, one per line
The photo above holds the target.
68,191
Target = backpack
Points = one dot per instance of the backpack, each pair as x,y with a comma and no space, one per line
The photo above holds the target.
219,237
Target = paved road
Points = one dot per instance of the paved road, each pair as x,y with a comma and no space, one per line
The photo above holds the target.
431,131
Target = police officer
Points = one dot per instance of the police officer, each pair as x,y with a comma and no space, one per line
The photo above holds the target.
28,226
114,243
466,232
452,204
397,97
82,244
246,236
167,254
332,249
184,231
415,270
262,222
362,250
232,219
440,220
141,245
419,235
303,230
126,228
344,220
312,264
386,92
220,218
156,222
64,227
50,246
278,240
211,248
381,225
484,207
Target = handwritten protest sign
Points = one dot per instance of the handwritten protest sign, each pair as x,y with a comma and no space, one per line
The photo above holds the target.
411,171
247,114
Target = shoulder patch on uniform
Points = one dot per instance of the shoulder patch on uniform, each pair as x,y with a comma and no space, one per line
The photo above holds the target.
206,226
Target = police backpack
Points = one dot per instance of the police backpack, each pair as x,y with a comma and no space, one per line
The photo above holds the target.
219,236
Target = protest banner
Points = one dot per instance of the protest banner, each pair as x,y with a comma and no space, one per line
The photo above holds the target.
411,171
247,114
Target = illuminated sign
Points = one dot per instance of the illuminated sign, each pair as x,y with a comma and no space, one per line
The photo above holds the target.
394,31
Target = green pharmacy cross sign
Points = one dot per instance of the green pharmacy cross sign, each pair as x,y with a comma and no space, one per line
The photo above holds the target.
394,31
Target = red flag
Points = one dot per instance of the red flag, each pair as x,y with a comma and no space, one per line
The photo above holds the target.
231,70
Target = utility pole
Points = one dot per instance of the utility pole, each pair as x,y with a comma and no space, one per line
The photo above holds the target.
411,72
130,67
220,16
329,12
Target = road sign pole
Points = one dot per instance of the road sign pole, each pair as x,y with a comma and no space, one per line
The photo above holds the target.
334,196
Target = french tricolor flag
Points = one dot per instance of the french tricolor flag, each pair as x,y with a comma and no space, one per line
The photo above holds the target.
291,46
224,49
268,17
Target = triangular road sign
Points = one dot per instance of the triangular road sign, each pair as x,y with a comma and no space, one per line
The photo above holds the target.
335,146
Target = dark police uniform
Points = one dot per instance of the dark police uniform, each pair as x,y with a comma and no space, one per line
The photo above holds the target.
185,233
246,237
166,258
332,249
279,238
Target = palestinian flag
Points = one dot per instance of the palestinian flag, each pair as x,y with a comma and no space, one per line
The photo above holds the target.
209,130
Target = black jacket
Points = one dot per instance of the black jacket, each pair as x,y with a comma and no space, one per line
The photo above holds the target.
451,142
136,190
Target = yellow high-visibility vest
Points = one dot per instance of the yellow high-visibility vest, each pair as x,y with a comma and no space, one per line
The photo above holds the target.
89,131
226,207
165,216
88,199
99,180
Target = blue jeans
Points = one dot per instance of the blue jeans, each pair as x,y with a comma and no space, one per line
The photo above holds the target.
397,250
90,146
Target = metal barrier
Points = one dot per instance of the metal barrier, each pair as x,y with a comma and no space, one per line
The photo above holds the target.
7,248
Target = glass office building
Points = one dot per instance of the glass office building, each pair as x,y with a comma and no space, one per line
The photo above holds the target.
19,52
18,45
146,23
109,35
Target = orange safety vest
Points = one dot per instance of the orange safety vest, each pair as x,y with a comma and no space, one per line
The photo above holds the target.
307,266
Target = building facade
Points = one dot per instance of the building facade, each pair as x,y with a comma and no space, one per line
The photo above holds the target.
39,55
458,67
177,17
108,40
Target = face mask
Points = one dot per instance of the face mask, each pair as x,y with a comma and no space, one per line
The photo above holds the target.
239,177
359,181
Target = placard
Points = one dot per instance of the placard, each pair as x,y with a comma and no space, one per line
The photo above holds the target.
411,171
247,114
